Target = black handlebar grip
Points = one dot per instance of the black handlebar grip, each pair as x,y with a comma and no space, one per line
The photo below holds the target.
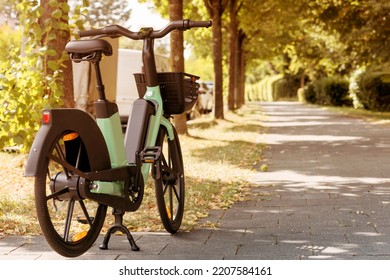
206,23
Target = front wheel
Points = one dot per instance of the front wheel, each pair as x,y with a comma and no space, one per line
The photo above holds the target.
170,186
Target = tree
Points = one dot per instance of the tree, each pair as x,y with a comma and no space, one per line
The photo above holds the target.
177,56
216,9
241,65
324,37
54,21
362,25
233,53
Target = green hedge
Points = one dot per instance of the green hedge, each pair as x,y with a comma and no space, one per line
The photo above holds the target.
329,91
286,88
374,90
273,88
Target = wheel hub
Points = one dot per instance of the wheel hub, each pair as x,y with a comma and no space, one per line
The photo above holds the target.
67,185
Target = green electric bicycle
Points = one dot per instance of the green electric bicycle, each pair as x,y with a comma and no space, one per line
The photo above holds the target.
84,165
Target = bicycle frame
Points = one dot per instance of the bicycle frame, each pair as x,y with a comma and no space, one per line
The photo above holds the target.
121,152
124,153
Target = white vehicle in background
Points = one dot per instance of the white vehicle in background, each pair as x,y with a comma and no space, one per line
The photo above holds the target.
130,62
206,98
205,103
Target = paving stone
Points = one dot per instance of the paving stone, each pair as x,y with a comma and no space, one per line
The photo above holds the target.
325,196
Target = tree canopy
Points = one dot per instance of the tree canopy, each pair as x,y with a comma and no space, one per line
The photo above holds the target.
249,39
330,36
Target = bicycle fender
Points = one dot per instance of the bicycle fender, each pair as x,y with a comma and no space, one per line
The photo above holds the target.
61,120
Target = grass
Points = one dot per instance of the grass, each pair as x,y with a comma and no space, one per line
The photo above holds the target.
219,155
17,215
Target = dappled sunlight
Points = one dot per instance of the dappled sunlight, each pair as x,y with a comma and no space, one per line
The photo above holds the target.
329,250
290,178
275,139
326,192
367,234
297,123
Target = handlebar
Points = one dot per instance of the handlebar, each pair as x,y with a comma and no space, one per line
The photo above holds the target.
117,30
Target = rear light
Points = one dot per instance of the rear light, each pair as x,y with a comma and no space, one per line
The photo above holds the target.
46,117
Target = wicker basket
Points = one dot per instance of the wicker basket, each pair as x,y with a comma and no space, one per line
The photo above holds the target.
179,91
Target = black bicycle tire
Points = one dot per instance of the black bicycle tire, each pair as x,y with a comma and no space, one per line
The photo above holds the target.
56,242
171,224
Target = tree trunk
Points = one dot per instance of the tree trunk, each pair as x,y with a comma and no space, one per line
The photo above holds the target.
233,30
177,56
216,8
241,70
59,46
68,84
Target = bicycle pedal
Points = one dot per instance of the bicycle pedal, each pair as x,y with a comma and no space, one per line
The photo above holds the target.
150,154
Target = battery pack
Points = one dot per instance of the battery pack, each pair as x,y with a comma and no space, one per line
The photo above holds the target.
137,127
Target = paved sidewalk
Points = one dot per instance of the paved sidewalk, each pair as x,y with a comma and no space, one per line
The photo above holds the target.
326,195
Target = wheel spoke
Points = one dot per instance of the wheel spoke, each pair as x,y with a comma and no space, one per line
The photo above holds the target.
171,203
67,166
175,192
172,190
85,211
68,220
78,156
61,156
169,159
56,194
164,161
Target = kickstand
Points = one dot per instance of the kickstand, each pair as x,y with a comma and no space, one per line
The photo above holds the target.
118,226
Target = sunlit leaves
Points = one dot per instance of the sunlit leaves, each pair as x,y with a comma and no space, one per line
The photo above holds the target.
32,74
57,14
362,28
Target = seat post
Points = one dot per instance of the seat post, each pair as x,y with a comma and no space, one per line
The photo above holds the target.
92,51
99,81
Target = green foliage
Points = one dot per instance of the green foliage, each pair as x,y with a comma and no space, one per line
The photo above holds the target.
32,70
32,73
310,93
374,89
354,87
199,39
286,88
8,38
354,33
329,91
202,67
362,26
323,38
26,90
273,88
264,90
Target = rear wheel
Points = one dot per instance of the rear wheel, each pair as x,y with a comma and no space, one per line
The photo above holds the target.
170,185
69,222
